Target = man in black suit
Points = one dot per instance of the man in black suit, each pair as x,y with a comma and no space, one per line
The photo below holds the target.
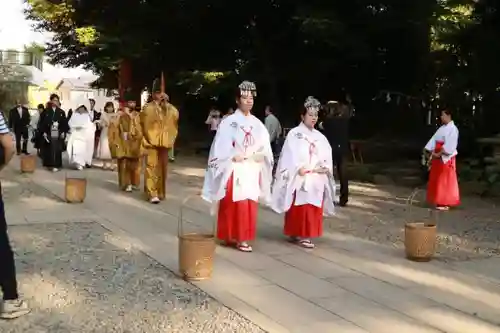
336,129
53,126
94,116
19,121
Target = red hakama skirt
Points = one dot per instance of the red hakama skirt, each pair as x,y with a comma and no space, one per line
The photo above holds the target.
304,221
237,220
442,189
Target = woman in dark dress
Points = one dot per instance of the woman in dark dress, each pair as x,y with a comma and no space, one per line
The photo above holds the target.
53,127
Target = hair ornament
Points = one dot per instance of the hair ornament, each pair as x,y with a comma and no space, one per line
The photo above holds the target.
312,104
248,88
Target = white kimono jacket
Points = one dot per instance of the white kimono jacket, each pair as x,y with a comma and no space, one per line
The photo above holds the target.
449,135
80,128
309,149
245,136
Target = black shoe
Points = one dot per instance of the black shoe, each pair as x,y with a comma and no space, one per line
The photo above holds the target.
26,153
18,153
88,166
343,202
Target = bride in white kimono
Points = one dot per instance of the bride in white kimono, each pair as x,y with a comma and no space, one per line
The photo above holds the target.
81,127
304,188
239,171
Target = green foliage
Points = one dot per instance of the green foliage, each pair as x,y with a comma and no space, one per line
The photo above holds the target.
428,49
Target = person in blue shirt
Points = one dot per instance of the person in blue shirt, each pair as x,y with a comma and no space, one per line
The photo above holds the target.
11,307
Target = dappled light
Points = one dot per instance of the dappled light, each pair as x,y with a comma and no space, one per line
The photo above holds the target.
448,284
92,280
359,262
448,320
125,243
38,202
7,183
49,292
197,172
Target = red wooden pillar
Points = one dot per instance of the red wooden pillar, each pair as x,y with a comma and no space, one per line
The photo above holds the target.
124,78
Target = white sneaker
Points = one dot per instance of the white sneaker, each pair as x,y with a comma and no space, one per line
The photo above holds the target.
13,309
80,168
155,200
135,188
55,169
128,188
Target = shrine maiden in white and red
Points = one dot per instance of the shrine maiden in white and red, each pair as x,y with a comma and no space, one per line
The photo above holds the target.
304,187
239,171
442,189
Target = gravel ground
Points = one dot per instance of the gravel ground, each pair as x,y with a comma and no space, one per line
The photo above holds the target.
16,185
80,278
379,214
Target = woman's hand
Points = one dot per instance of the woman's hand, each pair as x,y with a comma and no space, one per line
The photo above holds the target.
321,170
302,172
435,155
238,159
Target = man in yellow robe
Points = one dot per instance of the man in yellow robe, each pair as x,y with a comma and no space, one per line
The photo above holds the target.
129,150
159,127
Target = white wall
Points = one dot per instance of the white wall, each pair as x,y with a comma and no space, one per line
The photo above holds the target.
79,97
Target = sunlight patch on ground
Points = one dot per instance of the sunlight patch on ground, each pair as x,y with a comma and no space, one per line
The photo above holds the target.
125,243
361,204
448,320
55,181
187,171
46,292
447,284
130,201
369,190
9,184
39,202
34,239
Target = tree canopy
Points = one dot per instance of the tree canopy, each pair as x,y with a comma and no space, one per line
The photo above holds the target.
412,53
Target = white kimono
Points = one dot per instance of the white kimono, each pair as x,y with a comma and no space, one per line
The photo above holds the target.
308,149
449,135
103,151
90,138
80,126
248,137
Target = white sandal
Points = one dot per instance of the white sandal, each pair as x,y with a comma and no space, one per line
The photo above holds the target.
243,247
306,243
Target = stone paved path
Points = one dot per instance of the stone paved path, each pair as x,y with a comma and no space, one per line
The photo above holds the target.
355,281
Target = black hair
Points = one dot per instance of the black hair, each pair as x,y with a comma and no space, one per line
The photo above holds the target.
92,100
237,93
52,96
138,108
40,106
108,104
447,111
